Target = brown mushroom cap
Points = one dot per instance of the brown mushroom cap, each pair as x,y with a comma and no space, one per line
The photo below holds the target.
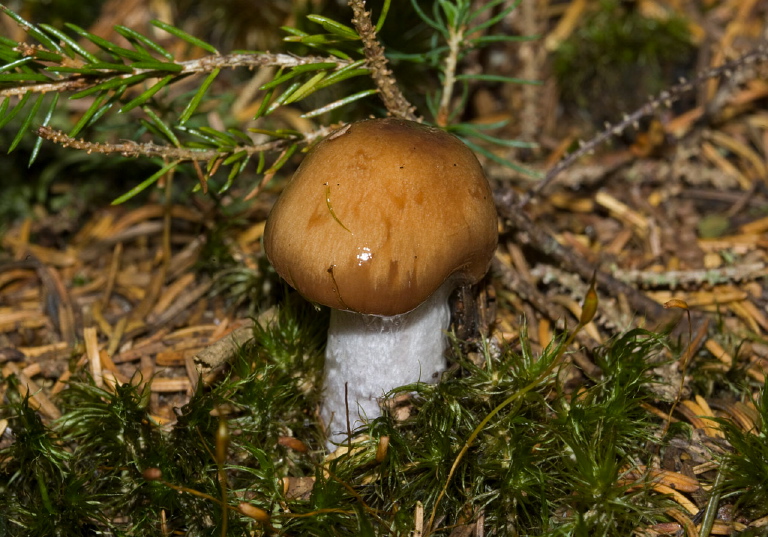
379,215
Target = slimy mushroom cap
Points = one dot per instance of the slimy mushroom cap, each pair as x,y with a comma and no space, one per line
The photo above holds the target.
379,215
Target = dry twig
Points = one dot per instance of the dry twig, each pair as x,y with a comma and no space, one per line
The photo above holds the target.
129,148
389,91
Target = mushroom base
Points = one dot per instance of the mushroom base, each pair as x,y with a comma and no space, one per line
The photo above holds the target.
373,355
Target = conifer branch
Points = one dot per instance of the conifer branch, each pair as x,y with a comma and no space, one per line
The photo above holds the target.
455,39
206,64
54,61
389,91
129,148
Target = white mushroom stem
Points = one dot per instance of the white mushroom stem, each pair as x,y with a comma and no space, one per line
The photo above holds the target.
373,355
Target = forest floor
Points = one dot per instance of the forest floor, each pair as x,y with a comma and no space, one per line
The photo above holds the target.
672,219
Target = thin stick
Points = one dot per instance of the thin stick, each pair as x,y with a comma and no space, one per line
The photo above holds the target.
91,340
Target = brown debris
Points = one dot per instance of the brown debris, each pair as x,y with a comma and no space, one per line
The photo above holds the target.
141,315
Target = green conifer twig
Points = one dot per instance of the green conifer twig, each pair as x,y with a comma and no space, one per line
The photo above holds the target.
206,64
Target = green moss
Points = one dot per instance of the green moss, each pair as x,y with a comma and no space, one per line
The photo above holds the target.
746,466
86,470
550,463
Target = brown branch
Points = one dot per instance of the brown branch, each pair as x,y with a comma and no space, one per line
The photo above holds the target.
77,82
390,93
129,148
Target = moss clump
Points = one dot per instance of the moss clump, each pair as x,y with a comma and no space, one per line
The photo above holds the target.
746,467
554,462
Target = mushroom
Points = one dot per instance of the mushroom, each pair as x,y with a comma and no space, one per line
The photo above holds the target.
381,221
